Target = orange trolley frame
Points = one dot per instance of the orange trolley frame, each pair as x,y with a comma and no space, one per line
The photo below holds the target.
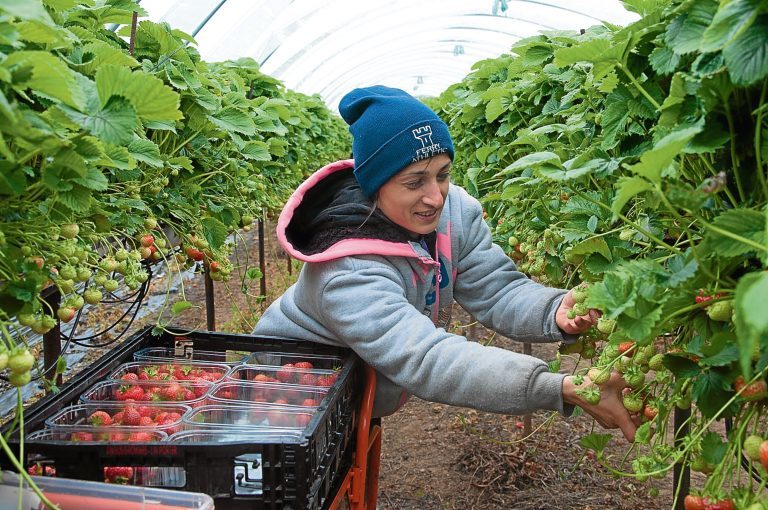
360,485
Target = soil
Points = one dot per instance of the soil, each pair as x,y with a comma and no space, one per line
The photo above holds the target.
436,456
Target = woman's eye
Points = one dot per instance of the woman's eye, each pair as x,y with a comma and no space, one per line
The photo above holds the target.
443,177
413,185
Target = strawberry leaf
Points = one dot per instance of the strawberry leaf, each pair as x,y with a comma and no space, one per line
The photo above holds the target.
595,442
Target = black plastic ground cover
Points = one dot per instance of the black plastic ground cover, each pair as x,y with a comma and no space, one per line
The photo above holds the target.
299,473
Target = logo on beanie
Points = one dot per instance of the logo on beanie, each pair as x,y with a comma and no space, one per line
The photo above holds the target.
428,148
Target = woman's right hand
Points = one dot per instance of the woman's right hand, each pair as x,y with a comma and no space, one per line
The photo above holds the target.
610,412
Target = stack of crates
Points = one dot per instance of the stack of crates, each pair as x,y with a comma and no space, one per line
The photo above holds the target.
254,422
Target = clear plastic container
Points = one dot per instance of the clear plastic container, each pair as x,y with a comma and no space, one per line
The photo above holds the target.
83,495
255,419
98,435
168,354
190,393
285,375
140,416
240,392
170,371
227,435
278,359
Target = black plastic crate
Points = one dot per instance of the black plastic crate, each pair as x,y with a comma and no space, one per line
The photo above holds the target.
290,472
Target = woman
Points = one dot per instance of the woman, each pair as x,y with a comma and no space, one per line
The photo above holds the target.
388,244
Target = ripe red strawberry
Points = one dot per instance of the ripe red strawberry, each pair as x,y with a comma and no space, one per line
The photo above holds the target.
130,393
129,376
260,378
81,436
625,346
140,437
327,380
146,421
287,374
118,474
756,390
694,502
302,420
764,454
192,395
131,416
100,419
304,364
117,418
172,392
147,240
310,402
308,380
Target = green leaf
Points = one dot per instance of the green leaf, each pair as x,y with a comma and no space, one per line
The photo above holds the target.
47,75
256,150
78,199
681,270
628,187
234,120
654,161
39,32
494,109
681,366
750,317
12,179
744,223
711,392
532,161
747,56
146,151
595,442
643,7
105,54
28,9
253,273
214,231
684,33
614,294
731,19
150,97
114,122
93,180
179,306
713,448
663,60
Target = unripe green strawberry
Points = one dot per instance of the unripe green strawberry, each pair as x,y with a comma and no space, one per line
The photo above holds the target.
68,272
701,465
83,274
150,223
19,379
632,403
605,325
599,375
513,241
92,296
111,285
100,279
626,234
571,314
20,360
720,311
580,309
634,378
246,219
66,313
656,362
579,295
752,446
69,231
589,351
121,255
591,395
26,319
66,286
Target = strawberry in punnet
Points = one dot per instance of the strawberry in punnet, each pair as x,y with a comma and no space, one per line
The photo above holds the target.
133,392
327,380
140,437
118,474
310,402
308,380
117,418
753,391
287,374
304,365
146,421
129,376
131,416
81,436
172,392
100,419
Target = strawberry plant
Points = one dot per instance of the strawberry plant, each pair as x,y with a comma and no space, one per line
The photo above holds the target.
634,160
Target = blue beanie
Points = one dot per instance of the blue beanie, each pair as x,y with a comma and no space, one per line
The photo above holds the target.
390,130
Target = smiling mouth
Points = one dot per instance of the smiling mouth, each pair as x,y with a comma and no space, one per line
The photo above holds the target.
427,215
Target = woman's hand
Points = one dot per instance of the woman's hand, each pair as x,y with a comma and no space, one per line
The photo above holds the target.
610,412
578,324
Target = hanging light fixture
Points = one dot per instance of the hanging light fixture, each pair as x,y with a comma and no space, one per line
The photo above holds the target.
499,5
458,50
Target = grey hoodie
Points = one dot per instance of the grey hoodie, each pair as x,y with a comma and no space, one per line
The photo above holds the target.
388,296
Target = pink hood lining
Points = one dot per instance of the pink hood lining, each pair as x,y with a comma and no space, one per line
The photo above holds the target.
344,247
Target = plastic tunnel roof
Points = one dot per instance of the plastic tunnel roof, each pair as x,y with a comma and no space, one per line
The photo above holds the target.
329,47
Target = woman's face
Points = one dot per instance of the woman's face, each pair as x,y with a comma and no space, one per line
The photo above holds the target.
414,197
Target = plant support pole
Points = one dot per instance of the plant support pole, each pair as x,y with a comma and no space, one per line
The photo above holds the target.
210,309
52,339
681,481
262,263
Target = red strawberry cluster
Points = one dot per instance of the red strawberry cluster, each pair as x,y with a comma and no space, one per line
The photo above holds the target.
173,372
118,474
301,373
136,415
159,391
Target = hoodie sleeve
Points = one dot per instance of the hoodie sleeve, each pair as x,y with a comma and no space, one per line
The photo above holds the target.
489,286
366,308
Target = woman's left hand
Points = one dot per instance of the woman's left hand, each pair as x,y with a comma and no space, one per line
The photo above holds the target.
578,324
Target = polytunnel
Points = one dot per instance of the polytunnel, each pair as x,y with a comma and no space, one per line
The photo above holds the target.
405,255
